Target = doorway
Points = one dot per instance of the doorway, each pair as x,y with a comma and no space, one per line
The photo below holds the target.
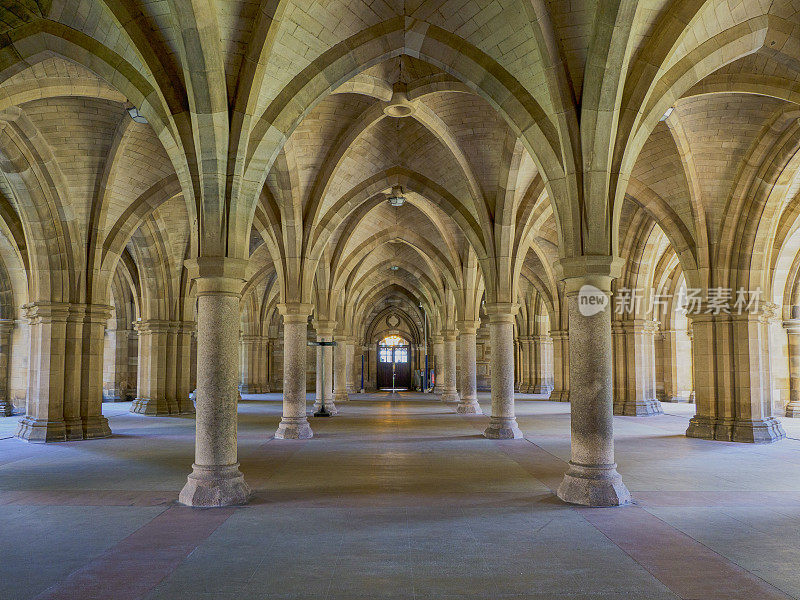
394,364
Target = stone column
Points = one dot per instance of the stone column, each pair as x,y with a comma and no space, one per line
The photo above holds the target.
363,366
531,365
540,369
340,355
325,331
65,383
73,343
270,360
183,370
518,382
592,478
44,413
792,327
438,362
171,366
469,378
116,386
249,364
263,361
634,372
6,405
524,364
560,392
449,389
93,423
151,397
215,479
669,366
294,424
350,365
732,383
503,422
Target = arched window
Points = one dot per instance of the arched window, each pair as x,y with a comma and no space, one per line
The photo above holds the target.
393,348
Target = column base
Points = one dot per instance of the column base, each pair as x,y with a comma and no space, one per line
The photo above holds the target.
469,406
341,397
330,406
539,389
41,431
96,427
501,428
249,389
211,486
6,408
450,396
154,407
638,408
675,399
294,428
186,407
792,409
762,431
593,485
74,429
559,396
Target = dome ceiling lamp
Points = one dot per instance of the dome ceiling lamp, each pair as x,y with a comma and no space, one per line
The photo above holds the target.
399,106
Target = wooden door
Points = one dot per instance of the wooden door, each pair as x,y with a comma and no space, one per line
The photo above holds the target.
397,360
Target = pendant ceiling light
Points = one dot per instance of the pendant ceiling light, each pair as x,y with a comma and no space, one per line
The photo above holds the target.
396,198
136,115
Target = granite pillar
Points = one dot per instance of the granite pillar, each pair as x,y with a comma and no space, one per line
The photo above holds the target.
294,423
592,478
469,381
449,389
215,479
503,422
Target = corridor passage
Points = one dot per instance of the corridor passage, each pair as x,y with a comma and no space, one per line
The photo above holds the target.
399,497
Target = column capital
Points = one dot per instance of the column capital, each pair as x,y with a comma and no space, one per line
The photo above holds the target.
449,335
324,327
46,312
6,325
217,275
501,312
437,338
468,326
792,326
187,327
151,326
636,325
96,313
596,270
295,312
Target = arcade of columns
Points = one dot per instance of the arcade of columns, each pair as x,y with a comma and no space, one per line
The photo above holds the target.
184,202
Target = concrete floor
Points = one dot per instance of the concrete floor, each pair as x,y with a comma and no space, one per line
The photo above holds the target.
399,497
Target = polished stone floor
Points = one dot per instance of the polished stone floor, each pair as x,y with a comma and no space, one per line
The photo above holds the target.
399,497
